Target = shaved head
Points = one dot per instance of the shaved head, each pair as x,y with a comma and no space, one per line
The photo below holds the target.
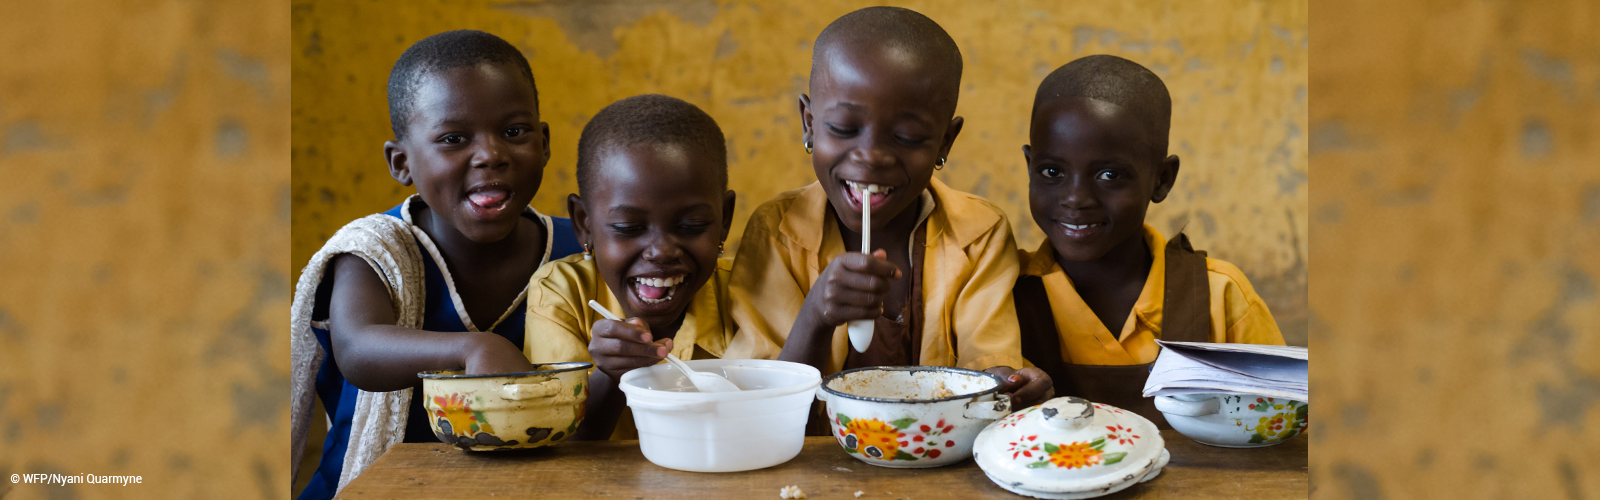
653,119
1117,81
903,34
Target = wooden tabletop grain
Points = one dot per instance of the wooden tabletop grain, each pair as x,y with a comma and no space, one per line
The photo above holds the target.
616,469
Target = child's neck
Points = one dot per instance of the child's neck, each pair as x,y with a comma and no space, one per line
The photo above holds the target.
1111,285
460,250
488,276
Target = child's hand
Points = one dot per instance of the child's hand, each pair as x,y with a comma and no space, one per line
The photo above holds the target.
494,355
1027,387
852,287
620,346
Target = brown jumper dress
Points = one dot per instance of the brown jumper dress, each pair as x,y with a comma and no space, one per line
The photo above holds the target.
894,342
1185,317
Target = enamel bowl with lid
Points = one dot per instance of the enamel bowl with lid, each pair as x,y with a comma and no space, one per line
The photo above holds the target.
1070,448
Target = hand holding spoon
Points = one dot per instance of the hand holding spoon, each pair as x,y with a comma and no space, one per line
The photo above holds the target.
704,382
861,329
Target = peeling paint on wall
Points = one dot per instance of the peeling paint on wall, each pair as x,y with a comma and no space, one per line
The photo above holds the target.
1244,134
1455,271
147,136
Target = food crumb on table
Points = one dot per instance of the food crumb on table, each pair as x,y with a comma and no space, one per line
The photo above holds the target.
792,491
859,493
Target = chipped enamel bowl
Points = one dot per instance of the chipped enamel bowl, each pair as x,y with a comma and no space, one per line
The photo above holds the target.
1070,448
1234,421
509,411
911,416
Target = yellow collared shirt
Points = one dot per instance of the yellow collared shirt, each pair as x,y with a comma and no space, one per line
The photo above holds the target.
1237,313
968,271
560,319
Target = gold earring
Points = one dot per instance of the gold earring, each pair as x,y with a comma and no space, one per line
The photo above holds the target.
808,147
939,165
719,249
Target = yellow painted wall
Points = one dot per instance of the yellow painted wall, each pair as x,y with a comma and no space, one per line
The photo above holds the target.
144,265
1456,293
1236,70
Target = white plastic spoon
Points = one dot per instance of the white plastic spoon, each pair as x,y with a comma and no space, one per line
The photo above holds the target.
704,382
861,329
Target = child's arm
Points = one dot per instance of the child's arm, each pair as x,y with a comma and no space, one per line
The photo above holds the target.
617,348
377,356
988,336
852,287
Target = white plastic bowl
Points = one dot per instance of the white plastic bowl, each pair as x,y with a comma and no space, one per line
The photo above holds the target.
762,425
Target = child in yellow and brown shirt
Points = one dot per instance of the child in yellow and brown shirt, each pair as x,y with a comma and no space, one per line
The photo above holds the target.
652,213
883,89
1096,296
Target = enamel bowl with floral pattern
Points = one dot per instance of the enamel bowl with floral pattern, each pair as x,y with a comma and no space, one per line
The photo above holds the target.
506,411
911,416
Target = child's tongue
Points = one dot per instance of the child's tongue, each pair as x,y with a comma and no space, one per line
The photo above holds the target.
652,293
490,198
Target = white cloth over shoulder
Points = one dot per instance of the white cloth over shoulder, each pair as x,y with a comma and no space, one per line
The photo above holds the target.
388,245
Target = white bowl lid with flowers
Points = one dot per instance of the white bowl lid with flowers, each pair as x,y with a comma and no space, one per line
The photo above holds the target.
1070,448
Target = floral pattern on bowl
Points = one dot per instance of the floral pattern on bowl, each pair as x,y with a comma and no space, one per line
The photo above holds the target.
873,438
1070,448
509,411
896,416
1235,421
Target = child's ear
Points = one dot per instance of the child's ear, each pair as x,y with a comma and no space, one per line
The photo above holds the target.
396,157
805,118
727,213
580,219
950,134
1166,178
1027,154
544,130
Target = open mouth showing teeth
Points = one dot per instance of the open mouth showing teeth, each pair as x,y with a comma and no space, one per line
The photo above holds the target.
876,192
1078,227
656,290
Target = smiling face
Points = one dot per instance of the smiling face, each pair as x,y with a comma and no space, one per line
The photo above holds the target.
655,225
1092,173
475,149
877,115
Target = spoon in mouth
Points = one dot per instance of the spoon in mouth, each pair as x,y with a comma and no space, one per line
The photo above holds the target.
861,329
704,382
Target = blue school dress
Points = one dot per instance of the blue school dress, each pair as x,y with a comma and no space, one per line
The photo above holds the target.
440,314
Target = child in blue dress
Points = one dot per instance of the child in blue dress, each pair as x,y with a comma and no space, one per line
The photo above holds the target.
373,307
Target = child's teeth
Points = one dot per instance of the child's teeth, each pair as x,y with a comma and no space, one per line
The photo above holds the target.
662,282
857,187
669,284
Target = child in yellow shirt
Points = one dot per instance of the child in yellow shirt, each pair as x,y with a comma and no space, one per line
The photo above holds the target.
883,89
1094,298
652,212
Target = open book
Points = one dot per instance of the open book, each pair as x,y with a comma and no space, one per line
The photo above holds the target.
1245,369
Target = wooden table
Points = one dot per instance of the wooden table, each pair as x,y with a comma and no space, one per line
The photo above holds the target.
617,469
